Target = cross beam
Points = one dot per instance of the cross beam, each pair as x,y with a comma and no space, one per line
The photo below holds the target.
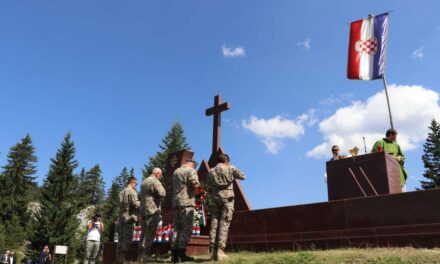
216,111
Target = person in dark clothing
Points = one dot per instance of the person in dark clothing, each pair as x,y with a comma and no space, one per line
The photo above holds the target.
12,259
45,257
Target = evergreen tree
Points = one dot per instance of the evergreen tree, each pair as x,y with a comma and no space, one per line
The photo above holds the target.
16,235
90,187
175,140
80,189
431,157
17,182
111,204
111,210
121,179
3,244
131,174
57,221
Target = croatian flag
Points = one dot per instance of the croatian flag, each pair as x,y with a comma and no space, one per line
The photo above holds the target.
367,48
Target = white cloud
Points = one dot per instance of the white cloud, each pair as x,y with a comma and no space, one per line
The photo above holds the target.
418,54
308,118
413,107
273,131
336,99
238,51
305,44
330,100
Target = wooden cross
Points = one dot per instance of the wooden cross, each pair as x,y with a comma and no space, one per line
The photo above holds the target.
216,111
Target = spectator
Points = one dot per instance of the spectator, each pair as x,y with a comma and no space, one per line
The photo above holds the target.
45,257
12,259
5,257
335,153
94,227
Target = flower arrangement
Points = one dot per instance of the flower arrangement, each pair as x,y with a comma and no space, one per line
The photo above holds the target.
164,234
199,210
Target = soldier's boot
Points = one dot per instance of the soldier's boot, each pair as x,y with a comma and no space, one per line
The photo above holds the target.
141,255
121,258
212,253
182,255
221,255
149,259
145,256
174,255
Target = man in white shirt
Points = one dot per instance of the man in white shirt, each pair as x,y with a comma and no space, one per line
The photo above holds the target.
12,259
94,227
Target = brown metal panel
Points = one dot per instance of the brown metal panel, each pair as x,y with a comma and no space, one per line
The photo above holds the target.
174,161
393,210
364,175
393,172
405,219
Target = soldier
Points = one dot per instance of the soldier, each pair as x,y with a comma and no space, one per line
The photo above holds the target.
128,215
185,180
151,196
220,184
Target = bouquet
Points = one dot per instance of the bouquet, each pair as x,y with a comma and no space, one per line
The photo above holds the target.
199,210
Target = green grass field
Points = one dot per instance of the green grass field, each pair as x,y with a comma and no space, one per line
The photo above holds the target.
336,256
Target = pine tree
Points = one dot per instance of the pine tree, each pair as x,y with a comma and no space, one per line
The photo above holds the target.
16,235
175,140
18,182
96,183
81,190
57,220
111,204
17,185
3,245
90,187
111,209
431,157
122,178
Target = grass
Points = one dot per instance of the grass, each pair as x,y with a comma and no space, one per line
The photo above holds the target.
336,256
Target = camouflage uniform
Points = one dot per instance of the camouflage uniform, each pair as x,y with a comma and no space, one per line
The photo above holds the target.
184,180
220,183
128,211
151,196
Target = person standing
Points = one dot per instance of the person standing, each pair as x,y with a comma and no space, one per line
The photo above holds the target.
5,257
12,259
151,196
335,153
128,216
389,145
185,181
45,257
220,187
94,227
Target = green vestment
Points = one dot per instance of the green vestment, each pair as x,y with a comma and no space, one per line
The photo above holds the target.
393,148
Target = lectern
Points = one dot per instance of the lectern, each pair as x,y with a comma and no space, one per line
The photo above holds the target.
361,176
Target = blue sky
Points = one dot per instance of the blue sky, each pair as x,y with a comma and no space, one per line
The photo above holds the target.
117,74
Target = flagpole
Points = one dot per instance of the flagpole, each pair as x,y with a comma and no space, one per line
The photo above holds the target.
388,100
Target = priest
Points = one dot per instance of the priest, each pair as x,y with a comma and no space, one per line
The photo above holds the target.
389,145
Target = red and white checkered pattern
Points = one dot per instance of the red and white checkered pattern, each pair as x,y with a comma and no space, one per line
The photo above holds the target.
137,230
368,46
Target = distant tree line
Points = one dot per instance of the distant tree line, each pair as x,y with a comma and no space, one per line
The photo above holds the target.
32,216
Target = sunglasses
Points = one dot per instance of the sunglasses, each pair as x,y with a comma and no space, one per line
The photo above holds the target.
335,150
